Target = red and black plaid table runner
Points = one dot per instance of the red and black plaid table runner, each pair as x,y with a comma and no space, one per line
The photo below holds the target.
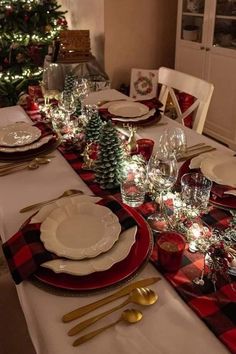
216,308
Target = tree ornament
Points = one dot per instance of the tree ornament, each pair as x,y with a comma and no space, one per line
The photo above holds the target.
26,18
93,128
20,58
47,29
108,168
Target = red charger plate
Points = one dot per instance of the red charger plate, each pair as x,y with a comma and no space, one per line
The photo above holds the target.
119,272
228,202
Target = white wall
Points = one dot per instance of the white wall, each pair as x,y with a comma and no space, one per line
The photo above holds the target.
87,14
138,33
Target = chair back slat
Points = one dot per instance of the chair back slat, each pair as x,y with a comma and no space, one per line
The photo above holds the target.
172,80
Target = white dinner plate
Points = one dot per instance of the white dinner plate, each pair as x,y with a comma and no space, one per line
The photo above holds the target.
196,161
79,231
34,145
104,261
18,134
128,109
220,170
136,119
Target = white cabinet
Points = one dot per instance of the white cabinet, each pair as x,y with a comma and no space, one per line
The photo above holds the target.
206,48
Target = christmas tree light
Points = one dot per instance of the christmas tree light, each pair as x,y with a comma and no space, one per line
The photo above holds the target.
27,27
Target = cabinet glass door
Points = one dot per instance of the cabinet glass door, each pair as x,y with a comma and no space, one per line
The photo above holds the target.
192,20
225,24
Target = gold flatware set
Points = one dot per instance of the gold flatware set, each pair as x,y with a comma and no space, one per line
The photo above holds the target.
130,316
67,193
137,293
194,150
32,164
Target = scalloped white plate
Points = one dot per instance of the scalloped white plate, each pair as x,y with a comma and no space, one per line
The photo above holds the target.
136,119
80,231
34,145
18,134
220,170
128,109
104,261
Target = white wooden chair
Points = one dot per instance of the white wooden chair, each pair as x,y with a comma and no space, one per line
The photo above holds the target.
172,80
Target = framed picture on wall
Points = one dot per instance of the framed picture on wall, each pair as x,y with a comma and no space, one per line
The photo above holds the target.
143,84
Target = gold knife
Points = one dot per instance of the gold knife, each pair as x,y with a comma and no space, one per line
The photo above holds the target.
195,153
79,312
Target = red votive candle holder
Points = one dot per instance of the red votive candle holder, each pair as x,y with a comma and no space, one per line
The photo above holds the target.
145,147
170,248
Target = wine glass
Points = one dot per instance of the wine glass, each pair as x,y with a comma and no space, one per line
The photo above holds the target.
162,175
173,140
67,103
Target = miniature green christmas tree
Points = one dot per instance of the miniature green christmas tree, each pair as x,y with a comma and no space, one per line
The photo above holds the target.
108,167
93,129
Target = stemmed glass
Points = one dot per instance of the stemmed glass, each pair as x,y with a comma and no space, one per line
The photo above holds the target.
67,103
162,175
81,91
173,140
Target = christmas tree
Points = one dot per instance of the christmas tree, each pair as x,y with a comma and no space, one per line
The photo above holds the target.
93,129
27,27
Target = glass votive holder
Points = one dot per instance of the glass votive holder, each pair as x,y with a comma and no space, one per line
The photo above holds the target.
145,148
133,186
195,191
170,248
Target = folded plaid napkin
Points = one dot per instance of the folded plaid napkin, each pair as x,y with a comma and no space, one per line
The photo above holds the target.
219,189
45,129
25,252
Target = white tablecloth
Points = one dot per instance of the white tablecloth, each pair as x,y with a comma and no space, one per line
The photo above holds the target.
168,327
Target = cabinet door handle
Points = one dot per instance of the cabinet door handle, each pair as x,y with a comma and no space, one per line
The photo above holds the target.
202,48
207,49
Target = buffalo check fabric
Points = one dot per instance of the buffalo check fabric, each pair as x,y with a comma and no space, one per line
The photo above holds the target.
216,308
25,252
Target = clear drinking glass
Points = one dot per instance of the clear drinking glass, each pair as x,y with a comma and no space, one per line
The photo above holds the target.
133,184
195,192
162,175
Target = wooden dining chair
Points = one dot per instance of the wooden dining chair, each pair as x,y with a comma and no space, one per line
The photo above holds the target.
173,82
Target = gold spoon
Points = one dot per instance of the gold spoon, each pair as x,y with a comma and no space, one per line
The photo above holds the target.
130,315
33,165
38,205
15,166
12,164
140,296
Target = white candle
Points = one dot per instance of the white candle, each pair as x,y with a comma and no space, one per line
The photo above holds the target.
195,231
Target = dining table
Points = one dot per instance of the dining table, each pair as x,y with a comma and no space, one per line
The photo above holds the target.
168,327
